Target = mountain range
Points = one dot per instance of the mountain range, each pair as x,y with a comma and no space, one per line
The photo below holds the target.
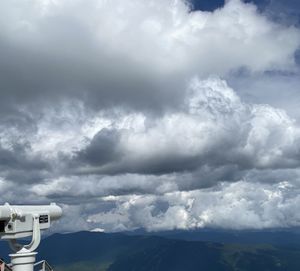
177,250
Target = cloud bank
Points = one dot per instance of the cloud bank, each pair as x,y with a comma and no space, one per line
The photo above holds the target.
122,112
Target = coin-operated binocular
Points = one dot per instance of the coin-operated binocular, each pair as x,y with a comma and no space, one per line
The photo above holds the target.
17,221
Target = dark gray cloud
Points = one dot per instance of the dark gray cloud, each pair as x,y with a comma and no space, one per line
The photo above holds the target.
102,149
18,164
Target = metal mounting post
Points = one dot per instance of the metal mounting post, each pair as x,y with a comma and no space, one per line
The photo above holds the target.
24,257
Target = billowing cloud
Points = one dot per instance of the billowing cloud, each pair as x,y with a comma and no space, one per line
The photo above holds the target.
137,113
237,206
198,135
136,53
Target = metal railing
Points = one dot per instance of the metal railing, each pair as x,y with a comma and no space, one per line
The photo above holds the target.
4,266
40,266
44,266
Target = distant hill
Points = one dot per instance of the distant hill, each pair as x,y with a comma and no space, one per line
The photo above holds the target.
277,237
116,252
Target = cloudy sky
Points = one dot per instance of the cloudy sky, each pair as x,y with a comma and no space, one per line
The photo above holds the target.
154,114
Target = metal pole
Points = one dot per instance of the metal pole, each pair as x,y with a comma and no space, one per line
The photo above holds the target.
23,261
